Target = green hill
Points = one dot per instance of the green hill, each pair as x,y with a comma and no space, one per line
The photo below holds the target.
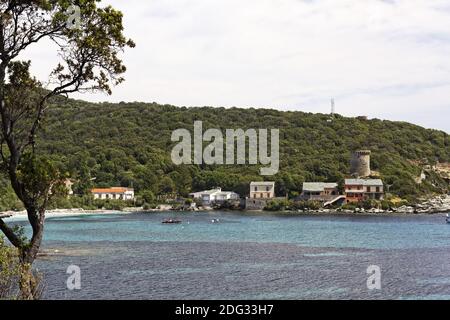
128,144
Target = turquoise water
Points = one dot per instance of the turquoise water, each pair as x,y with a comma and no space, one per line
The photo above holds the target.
248,256
340,232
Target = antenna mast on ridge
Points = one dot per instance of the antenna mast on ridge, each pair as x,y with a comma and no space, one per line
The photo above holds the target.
332,111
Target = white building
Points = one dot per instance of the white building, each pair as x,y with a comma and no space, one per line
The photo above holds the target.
116,193
209,197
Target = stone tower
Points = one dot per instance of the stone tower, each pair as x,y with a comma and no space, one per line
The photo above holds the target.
360,163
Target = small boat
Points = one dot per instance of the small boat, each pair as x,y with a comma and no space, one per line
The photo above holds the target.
171,221
447,219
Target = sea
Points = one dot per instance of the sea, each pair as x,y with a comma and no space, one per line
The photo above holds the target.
246,256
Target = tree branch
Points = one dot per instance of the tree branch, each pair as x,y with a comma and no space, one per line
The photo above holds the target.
9,233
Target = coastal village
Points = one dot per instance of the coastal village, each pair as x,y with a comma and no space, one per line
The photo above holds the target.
357,188
361,185
363,191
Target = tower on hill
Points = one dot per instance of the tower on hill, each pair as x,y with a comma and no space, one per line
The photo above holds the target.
360,163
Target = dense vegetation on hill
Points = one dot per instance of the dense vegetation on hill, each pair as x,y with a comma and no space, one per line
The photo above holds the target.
128,144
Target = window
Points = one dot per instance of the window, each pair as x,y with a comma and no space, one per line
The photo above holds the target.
378,189
267,188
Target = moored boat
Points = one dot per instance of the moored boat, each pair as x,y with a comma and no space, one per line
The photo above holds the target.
171,221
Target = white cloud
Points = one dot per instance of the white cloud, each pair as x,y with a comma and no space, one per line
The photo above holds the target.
384,59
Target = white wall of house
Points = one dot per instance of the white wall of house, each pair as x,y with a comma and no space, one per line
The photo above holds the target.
214,195
114,195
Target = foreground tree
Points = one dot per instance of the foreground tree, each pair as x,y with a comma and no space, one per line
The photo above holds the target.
88,40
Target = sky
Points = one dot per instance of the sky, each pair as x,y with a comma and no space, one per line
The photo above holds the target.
386,59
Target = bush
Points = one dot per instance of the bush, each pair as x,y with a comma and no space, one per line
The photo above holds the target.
198,202
8,199
110,204
146,197
306,205
12,273
386,205
9,271
369,204
148,206
349,206
277,205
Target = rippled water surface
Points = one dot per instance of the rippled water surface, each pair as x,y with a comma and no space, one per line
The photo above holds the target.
256,256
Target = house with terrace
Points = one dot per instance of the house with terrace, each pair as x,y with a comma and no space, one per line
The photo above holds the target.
357,190
325,192
319,191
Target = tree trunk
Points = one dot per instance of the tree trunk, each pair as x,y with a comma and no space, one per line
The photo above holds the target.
29,283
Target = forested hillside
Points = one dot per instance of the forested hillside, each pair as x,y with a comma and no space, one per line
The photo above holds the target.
128,144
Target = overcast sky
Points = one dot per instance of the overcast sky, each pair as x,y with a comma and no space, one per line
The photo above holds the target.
385,59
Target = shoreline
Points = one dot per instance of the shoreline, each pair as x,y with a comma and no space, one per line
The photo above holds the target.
439,205
59,213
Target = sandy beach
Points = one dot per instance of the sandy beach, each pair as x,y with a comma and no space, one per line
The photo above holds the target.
22,215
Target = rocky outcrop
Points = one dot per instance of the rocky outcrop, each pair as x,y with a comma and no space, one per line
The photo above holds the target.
434,205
